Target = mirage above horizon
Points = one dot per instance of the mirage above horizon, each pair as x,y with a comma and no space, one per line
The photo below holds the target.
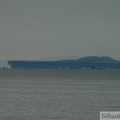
90,62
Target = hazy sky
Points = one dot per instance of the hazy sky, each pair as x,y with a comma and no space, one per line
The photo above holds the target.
35,29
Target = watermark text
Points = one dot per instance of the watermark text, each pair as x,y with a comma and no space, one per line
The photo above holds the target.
110,115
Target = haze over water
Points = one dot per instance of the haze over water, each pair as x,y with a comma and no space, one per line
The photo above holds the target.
58,94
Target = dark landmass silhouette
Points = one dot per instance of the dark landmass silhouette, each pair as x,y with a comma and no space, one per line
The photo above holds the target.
90,62
97,59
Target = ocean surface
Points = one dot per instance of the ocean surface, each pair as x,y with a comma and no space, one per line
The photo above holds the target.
63,94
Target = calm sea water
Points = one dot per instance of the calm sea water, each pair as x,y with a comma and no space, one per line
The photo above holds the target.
58,94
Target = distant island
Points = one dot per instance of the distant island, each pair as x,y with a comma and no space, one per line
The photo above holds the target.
90,62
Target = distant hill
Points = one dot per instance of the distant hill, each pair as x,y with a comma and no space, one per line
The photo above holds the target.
97,59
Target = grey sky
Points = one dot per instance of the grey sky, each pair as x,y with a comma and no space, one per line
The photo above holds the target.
35,29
